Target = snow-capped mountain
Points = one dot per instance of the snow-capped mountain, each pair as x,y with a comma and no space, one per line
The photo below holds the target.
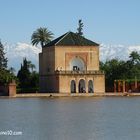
116,51
16,53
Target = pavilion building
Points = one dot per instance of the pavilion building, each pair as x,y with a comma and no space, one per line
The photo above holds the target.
70,64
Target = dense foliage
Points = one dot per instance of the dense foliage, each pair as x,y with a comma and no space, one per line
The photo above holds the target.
6,75
3,59
28,78
117,69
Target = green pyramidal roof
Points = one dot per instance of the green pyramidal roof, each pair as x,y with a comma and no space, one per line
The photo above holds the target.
71,39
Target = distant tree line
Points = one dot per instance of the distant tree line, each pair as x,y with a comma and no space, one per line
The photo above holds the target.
116,69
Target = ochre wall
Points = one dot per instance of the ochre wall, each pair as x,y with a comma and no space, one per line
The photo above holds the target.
58,58
98,82
64,54
46,65
46,60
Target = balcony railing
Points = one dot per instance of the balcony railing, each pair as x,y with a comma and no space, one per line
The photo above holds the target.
80,72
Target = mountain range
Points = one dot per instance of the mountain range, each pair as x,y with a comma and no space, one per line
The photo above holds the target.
16,52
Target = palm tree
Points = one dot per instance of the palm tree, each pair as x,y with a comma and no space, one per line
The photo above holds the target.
134,57
42,36
31,66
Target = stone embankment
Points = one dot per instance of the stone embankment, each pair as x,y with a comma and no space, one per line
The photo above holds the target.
30,95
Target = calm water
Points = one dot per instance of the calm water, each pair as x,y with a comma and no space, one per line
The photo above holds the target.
71,118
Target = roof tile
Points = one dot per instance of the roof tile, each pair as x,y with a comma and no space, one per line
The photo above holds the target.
71,39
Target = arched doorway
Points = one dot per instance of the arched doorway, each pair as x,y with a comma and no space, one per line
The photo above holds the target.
77,64
90,86
73,86
82,87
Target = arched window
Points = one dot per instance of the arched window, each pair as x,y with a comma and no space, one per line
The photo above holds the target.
77,64
73,86
82,87
90,86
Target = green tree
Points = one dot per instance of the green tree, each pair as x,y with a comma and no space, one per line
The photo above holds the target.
114,69
133,65
135,57
28,80
80,28
31,66
121,70
3,59
5,75
34,81
42,36
24,75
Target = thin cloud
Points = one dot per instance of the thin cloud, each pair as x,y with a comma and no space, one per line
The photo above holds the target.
16,52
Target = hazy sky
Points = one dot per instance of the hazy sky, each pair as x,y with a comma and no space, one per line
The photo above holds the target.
105,21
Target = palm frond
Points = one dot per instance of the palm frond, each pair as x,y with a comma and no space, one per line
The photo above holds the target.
42,36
